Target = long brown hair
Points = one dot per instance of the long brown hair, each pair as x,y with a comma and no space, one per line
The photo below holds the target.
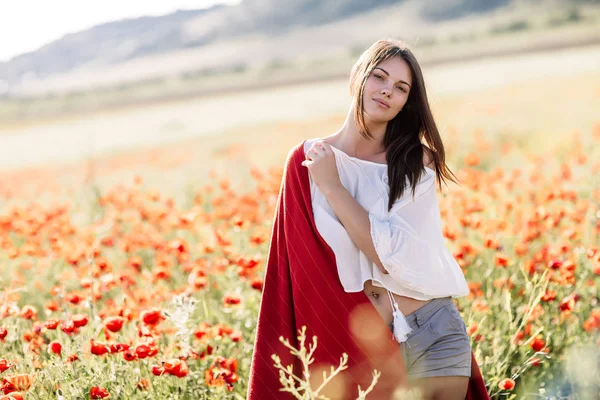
406,132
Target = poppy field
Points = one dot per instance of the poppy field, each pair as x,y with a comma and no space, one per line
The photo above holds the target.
133,292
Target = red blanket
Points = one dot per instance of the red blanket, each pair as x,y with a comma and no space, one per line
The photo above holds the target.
302,288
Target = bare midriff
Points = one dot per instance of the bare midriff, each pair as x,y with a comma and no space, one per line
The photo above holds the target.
381,301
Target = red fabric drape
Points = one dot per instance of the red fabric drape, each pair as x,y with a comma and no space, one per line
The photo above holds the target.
302,287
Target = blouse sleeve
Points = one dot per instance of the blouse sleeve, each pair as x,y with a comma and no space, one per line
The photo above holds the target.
400,250
415,256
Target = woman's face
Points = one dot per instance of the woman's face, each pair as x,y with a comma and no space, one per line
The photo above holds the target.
386,89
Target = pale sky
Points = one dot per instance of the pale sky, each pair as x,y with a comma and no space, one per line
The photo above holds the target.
26,25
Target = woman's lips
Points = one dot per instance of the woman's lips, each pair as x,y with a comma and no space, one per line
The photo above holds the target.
381,104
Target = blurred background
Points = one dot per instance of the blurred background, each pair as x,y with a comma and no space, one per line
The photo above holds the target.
105,106
108,89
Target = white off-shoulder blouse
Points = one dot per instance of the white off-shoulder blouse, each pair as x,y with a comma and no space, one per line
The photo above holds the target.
408,239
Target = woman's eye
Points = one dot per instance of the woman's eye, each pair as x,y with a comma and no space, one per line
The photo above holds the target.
378,76
401,88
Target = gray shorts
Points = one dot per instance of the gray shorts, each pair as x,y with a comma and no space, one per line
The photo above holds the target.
438,344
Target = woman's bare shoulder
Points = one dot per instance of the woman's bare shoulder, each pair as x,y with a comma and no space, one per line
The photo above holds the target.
428,160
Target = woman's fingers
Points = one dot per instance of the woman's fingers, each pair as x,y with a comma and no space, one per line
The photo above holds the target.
383,271
324,146
317,150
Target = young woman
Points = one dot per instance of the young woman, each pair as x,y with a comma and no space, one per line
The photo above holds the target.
372,196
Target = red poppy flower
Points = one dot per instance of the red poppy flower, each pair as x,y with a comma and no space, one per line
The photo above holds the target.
506,384
158,370
16,383
142,351
231,299
29,312
68,327
4,365
176,367
97,392
114,324
129,354
257,284
118,347
55,347
537,344
98,348
79,320
152,317
51,324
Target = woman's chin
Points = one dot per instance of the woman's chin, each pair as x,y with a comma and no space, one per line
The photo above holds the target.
376,117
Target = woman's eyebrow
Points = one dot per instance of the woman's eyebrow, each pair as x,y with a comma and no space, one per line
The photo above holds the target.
388,74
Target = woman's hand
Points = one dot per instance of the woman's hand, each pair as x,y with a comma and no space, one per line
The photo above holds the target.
320,161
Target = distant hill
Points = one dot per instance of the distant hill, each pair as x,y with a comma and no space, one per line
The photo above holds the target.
103,44
116,42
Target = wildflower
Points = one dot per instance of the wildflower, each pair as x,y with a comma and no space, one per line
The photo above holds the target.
506,384
52,306
518,337
97,392
55,347
491,243
68,327
135,262
98,348
4,365
143,384
257,284
222,371
198,280
73,298
549,295
118,347
593,322
480,305
537,344
114,324
206,352
568,303
236,336
501,260
79,320
72,358
472,328
158,370
231,299
51,324
16,383
29,312
152,317
142,351
130,354
176,367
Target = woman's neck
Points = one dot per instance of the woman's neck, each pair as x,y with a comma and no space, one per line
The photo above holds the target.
350,141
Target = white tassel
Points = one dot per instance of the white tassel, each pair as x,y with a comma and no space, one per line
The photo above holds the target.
401,328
